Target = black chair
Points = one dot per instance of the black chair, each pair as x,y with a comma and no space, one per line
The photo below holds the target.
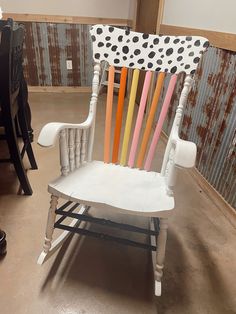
13,100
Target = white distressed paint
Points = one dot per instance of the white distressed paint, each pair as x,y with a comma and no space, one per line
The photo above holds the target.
203,14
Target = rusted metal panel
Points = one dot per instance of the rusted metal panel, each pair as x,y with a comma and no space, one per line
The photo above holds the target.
31,73
49,45
210,120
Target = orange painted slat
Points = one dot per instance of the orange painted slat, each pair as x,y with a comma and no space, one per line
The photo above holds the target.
119,114
107,136
147,132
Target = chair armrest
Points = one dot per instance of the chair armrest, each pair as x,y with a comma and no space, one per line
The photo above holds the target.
50,131
185,154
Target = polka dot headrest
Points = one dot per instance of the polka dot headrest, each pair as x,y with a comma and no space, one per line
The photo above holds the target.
172,54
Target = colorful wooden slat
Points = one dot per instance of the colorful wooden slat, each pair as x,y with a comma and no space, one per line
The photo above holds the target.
147,132
119,114
139,120
129,118
160,122
107,136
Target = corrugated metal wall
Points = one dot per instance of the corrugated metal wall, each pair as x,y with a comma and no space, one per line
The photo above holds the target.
210,120
49,45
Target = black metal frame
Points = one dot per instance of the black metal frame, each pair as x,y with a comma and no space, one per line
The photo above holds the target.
101,221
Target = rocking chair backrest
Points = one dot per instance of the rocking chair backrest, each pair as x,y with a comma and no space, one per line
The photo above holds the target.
151,53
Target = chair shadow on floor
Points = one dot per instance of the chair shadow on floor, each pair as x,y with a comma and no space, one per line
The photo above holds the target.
127,271
104,265
118,269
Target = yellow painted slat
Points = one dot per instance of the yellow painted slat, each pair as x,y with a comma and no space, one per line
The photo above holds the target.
129,118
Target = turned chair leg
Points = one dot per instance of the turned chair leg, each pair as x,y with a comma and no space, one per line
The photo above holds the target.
160,254
50,224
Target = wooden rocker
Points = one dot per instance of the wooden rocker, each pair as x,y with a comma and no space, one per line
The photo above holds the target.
123,182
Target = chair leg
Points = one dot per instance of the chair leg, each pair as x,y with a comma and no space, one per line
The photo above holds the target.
50,223
26,139
17,160
50,247
160,254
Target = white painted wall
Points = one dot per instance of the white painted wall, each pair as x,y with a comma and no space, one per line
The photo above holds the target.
94,8
213,15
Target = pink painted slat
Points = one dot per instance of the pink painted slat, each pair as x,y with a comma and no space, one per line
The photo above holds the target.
160,122
139,118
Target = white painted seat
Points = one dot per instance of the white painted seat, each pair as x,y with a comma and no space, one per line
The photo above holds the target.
107,185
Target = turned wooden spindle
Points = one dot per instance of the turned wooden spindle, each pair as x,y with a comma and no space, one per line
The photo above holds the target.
64,158
83,146
77,147
71,147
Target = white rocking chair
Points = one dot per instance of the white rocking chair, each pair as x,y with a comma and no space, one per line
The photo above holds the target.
115,184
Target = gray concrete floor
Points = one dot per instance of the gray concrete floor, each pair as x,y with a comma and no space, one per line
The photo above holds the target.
91,276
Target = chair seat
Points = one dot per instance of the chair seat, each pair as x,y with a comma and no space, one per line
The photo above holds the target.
107,185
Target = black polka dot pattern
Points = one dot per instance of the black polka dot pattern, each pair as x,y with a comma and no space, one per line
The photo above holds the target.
125,49
172,54
169,51
99,30
151,54
156,41
113,48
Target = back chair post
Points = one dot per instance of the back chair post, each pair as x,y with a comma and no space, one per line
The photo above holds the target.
93,106
168,169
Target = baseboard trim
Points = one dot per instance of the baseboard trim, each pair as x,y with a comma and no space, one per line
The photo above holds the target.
59,89
225,208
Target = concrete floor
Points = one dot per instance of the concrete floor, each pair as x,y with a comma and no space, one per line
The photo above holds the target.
92,276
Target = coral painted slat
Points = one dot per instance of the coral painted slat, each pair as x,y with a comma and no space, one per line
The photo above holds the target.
119,114
139,118
107,136
129,118
151,116
160,122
